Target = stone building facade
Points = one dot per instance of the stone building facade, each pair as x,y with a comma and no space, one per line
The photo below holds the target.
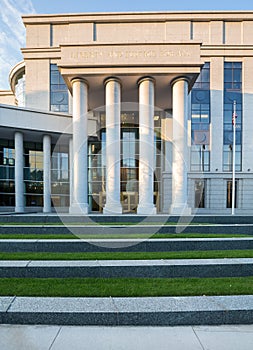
130,113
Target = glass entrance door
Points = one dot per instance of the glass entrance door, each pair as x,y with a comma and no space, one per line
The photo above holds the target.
129,170
129,167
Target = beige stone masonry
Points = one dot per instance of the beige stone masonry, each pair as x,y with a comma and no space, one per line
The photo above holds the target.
130,55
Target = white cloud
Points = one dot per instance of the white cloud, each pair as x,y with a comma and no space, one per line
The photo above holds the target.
12,35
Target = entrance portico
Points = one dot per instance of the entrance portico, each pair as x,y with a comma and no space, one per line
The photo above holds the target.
157,75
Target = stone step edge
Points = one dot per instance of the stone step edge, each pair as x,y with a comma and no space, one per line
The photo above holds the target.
136,225
178,268
112,311
125,230
124,245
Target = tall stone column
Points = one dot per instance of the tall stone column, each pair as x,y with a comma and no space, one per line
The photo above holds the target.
79,196
113,99
46,174
19,173
70,171
147,147
180,155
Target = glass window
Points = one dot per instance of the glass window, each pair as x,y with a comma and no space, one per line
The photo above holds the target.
199,190
58,91
203,80
229,193
128,149
200,121
33,173
60,176
129,172
228,158
232,92
129,163
200,158
7,173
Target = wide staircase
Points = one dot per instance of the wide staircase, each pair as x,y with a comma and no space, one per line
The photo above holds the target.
108,249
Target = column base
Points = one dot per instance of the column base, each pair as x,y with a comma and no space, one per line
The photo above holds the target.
19,209
79,209
47,210
182,209
112,209
146,210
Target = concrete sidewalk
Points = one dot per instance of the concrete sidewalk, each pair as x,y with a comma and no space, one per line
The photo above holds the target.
229,337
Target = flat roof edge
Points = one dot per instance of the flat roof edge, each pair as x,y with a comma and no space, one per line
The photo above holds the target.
137,13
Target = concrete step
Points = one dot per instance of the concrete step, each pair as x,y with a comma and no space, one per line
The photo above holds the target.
158,311
124,245
98,229
199,268
100,218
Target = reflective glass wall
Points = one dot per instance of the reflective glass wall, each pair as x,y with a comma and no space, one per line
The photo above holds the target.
58,91
33,174
200,121
60,176
232,92
129,173
7,173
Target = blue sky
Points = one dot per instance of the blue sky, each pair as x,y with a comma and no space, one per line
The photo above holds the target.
12,32
56,6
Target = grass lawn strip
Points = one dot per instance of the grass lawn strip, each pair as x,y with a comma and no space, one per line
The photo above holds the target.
125,287
213,254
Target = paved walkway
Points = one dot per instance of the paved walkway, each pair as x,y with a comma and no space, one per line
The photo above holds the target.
16,337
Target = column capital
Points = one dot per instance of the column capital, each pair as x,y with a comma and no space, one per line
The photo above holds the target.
146,78
46,135
179,78
112,78
79,79
19,133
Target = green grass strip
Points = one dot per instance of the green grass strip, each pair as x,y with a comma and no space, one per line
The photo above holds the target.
212,254
124,287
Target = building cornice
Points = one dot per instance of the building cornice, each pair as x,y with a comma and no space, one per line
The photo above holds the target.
227,50
139,16
41,53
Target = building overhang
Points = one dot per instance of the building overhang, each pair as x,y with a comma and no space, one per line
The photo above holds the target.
29,120
129,62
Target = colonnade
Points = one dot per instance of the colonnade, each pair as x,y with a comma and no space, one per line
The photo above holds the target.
79,150
79,202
